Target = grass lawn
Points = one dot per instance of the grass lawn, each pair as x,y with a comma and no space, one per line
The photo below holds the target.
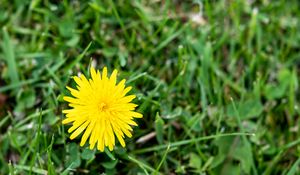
217,83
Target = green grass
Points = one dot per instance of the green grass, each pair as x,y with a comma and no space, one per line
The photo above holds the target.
217,83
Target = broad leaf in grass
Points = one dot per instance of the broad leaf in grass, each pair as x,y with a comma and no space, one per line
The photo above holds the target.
248,109
231,149
278,90
195,161
110,164
73,160
87,154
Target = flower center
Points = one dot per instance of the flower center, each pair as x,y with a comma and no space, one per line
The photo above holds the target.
102,107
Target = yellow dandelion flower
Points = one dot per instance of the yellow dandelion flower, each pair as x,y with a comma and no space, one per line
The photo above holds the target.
101,110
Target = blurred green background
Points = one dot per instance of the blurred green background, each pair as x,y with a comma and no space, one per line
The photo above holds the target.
199,68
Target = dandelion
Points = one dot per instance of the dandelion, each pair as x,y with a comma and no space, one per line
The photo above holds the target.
101,110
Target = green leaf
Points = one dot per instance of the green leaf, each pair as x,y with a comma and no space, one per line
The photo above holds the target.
233,148
195,161
60,98
73,161
95,6
218,160
88,154
175,113
122,58
194,122
34,4
274,91
109,51
223,145
248,109
67,27
26,99
73,41
159,128
243,154
18,140
110,165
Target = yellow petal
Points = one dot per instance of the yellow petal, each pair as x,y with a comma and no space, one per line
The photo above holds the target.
100,146
87,133
74,92
70,99
101,132
123,107
78,81
135,114
68,120
131,122
104,73
110,135
121,140
67,111
93,140
93,73
126,90
79,130
127,133
127,99
119,88
76,124
113,77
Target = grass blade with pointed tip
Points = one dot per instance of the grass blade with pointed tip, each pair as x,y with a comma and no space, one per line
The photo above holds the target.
185,142
159,128
78,58
294,168
10,58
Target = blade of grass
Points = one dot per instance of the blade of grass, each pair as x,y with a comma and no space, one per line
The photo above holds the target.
291,144
32,116
142,165
78,58
4,120
188,141
279,155
67,170
36,142
162,160
33,169
109,154
11,169
295,168
169,39
10,58
17,85
51,169
273,163
131,79
243,136
112,4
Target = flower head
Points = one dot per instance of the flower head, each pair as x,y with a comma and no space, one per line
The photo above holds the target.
101,110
